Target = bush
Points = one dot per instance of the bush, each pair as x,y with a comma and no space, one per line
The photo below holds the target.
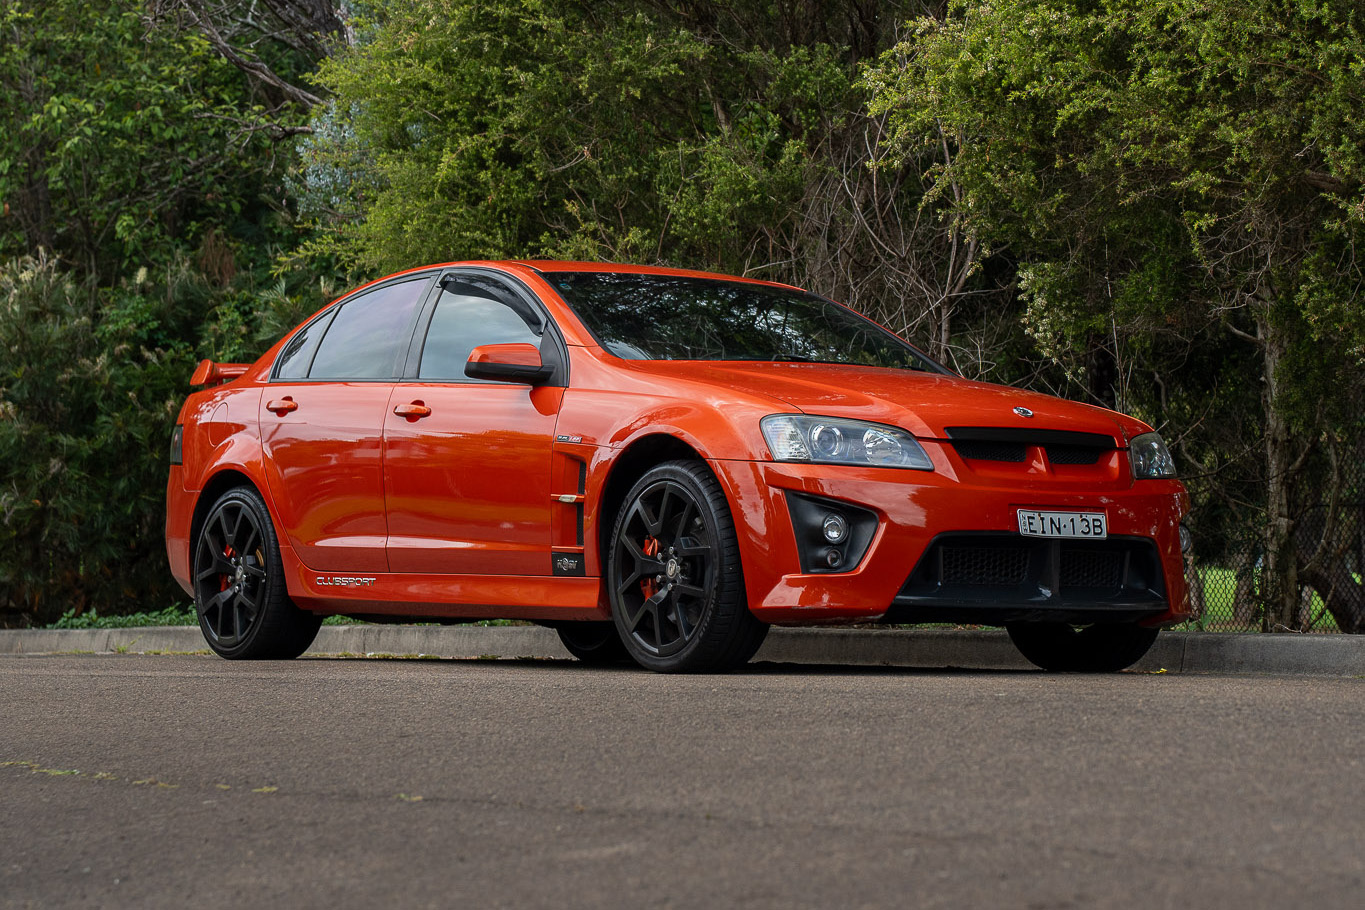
174,615
88,399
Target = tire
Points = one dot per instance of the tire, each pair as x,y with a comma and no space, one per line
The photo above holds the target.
239,592
594,643
674,577
1101,648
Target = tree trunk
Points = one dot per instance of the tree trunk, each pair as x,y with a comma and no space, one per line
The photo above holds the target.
1194,583
1101,369
1279,576
1331,538
1340,592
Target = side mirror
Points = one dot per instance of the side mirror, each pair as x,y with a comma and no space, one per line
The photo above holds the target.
515,362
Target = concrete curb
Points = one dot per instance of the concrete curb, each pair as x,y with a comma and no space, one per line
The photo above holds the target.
1174,652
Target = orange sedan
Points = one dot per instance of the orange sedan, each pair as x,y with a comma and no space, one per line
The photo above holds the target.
659,464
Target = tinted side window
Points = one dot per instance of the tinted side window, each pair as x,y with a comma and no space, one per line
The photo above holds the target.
367,333
298,353
461,324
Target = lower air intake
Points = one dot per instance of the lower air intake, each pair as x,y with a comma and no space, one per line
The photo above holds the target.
1080,568
984,566
997,578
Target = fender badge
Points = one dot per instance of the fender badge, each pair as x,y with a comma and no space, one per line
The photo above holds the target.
1023,412
567,563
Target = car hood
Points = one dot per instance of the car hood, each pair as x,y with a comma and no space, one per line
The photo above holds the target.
926,404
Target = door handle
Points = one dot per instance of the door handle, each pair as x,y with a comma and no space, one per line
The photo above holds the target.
414,411
282,406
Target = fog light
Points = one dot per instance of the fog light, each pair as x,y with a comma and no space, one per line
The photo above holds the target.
831,535
1186,539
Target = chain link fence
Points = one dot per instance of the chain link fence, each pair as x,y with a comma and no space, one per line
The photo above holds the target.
1224,574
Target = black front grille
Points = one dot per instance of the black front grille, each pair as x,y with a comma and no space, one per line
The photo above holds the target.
970,564
1011,444
988,566
1083,568
997,578
1064,454
991,450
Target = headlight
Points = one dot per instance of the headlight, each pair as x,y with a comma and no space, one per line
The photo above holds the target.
830,440
1150,457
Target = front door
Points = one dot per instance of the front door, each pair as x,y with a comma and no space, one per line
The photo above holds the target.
466,461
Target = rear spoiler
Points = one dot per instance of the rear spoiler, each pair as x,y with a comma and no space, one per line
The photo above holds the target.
210,373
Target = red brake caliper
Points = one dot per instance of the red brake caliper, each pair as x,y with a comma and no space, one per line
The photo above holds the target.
223,579
649,586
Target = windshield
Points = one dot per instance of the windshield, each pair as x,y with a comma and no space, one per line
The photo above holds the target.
665,317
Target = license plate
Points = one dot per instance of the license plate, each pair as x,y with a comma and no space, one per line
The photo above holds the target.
1086,525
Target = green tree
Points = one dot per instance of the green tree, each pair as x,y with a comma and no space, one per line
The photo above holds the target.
84,411
1172,176
729,136
140,212
117,143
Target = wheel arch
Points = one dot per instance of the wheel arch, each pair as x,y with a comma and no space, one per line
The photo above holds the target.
724,633
214,487
628,467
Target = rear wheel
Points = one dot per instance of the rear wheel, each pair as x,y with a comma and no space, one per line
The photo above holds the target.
674,576
239,592
593,642
1101,648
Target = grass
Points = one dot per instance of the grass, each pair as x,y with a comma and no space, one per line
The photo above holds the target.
1220,605
174,615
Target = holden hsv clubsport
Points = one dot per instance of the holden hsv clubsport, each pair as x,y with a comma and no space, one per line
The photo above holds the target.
658,464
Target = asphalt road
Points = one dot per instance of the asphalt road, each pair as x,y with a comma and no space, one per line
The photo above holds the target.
190,781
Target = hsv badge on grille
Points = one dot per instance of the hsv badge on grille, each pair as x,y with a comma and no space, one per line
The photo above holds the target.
1023,412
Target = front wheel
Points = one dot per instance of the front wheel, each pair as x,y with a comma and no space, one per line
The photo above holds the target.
1101,648
674,576
239,592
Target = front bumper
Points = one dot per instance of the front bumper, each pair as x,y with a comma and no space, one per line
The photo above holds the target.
1137,574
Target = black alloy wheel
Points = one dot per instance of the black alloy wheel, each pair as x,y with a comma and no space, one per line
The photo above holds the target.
676,587
1101,648
239,591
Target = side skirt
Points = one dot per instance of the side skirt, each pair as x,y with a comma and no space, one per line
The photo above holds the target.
540,597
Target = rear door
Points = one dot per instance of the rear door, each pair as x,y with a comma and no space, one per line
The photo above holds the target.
322,423
468,483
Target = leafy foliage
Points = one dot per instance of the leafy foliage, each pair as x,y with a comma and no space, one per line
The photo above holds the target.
724,136
117,141
138,223
1151,204
175,615
1180,184
83,446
